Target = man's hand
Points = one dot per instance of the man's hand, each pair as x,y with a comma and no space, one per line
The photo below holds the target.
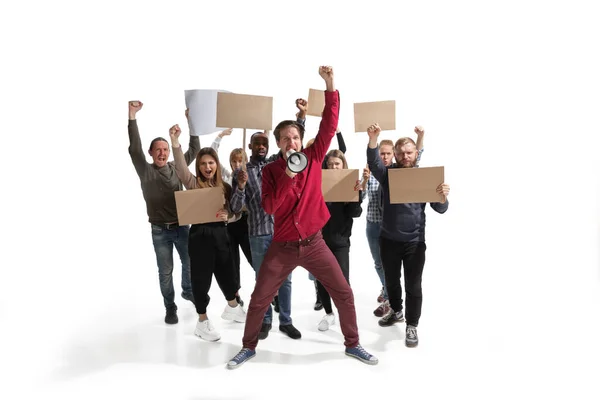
326,73
419,130
174,133
362,184
302,106
373,131
242,179
290,173
366,176
187,114
223,215
134,107
443,189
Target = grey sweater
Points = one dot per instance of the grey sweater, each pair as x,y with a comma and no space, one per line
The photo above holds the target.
158,184
401,222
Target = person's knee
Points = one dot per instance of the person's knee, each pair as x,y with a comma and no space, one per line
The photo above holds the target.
414,290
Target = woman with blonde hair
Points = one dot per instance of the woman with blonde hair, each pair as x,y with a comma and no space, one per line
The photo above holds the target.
238,227
209,247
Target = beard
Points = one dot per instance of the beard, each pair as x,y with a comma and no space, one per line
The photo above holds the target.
408,164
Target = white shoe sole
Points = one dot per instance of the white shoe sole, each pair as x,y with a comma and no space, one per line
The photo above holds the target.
240,364
207,339
369,362
233,317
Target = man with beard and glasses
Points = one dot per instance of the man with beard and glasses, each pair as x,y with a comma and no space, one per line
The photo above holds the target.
402,238
247,191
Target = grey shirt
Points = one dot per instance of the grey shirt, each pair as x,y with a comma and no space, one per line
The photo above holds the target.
158,184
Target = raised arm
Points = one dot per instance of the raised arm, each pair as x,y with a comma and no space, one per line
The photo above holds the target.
378,170
194,147
181,167
215,145
420,134
238,191
273,190
302,106
329,121
135,142
340,139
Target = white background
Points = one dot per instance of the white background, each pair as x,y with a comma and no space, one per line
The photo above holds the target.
507,93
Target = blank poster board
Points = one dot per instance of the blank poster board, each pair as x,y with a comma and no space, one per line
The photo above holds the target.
316,102
415,185
198,206
244,111
380,112
203,111
338,185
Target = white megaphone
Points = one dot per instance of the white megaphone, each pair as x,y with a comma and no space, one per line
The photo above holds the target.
296,161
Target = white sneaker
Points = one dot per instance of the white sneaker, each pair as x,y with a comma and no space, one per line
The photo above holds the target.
327,321
236,313
206,330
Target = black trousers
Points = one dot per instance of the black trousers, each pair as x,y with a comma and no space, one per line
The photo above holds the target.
238,238
342,255
210,253
411,255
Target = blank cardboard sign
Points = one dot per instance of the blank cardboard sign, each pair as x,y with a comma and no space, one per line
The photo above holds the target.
198,206
316,102
415,185
338,185
380,112
244,111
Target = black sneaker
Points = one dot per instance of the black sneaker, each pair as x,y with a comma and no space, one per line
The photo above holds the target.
171,317
412,340
264,331
239,300
391,318
290,331
318,304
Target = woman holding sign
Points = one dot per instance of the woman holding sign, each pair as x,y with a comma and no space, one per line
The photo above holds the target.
209,247
337,231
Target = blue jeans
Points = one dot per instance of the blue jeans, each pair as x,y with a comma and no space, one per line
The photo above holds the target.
373,232
258,247
163,240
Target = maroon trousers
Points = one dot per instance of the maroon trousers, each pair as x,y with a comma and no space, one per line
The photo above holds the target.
281,259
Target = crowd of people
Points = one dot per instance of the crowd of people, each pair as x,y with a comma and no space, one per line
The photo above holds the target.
279,220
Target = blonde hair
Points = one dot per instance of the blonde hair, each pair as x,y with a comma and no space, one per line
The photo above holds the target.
402,141
338,154
235,153
386,142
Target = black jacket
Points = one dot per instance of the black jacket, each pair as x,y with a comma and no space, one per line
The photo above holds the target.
338,229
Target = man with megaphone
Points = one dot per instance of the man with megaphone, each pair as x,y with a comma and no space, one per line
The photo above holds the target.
291,192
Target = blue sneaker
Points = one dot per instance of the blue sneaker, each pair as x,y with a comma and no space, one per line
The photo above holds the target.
241,357
361,354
